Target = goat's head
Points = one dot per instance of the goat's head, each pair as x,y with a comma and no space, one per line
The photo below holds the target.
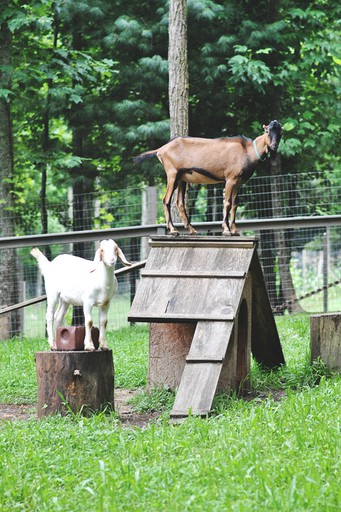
273,132
108,252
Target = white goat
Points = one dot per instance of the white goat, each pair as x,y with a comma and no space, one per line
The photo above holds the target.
79,282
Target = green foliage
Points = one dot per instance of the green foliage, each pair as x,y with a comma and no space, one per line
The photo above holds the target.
83,72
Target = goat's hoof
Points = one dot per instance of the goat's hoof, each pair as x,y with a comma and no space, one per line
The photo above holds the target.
174,233
235,234
89,349
104,348
226,233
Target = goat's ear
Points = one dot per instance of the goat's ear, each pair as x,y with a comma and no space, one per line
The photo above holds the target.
98,256
120,254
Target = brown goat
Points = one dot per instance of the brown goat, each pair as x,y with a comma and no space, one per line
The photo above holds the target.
197,160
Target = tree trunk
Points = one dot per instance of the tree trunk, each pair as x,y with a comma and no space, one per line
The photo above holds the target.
178,68
149,212
83,185
178,76
9,290
46,142
283,250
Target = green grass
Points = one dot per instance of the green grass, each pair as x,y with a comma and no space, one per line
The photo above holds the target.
258,455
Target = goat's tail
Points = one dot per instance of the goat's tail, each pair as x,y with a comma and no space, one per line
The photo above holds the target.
43,262
143,156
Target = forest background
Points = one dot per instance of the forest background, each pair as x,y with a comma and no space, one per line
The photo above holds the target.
84,88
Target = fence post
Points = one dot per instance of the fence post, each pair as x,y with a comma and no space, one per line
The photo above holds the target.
325,269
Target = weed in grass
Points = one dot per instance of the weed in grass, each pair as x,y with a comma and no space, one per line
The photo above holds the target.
85,410
158,399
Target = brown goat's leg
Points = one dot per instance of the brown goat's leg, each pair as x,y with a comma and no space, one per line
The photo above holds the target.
233,227
227,208
167,200
182,208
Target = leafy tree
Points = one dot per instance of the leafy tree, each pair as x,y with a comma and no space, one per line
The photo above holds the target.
9,290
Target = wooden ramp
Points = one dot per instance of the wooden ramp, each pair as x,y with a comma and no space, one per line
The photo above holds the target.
215,283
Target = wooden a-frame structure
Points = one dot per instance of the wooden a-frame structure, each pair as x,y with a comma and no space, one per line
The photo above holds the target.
207,304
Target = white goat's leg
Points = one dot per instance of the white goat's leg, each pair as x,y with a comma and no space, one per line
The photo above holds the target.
88,343
103,322
60,313
51,305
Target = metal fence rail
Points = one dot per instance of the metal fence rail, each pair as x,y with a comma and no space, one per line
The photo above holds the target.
68,237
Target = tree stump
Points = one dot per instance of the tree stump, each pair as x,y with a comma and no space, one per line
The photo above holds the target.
169,345
325,339
74,380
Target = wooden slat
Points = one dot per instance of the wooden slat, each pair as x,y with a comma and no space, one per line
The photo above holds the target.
205,359
190,274
203,368
172,298
265,343
197,389
203,260
220,245
210,340
180,317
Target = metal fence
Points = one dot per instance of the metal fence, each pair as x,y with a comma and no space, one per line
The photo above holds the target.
315,253
298,227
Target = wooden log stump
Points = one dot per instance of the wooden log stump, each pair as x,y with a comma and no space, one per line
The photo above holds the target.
169,345
74,380
325,339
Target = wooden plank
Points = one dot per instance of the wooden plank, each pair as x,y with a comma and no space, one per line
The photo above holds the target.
209,358
197,389
179,317
210,339
265,343
203,260
204,238
191,274
221,245
173,298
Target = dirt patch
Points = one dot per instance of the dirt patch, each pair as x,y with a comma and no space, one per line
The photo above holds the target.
123,408
11,412
125,411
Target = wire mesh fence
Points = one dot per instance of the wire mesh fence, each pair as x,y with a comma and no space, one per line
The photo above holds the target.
301,264
262,197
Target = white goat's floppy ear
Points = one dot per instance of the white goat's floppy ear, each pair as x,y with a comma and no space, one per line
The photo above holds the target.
120,254
97,258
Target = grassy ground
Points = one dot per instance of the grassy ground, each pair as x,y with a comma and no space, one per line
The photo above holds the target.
263,454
